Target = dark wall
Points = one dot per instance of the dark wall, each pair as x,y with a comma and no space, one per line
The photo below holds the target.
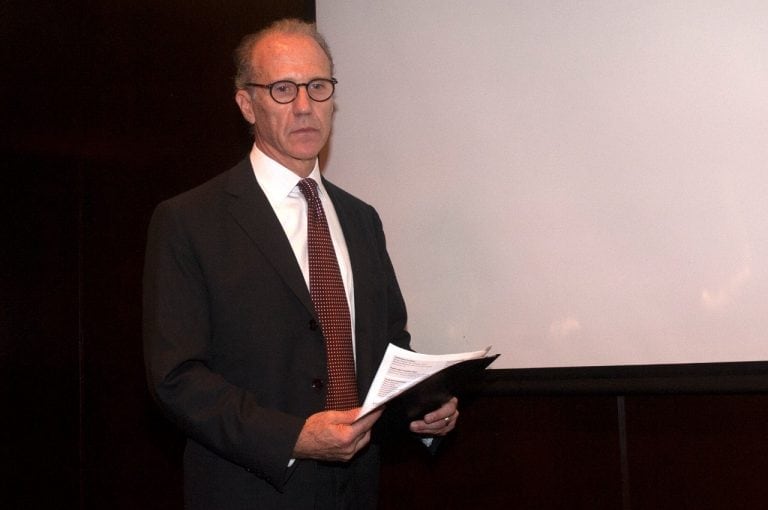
109,107
580,452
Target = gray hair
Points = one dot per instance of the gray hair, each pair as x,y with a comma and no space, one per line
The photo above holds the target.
284,26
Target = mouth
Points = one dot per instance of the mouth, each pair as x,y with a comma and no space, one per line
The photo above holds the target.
305,131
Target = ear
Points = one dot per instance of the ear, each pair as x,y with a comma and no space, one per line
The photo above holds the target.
243,100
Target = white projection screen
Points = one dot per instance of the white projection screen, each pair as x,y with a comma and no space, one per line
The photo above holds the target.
577,183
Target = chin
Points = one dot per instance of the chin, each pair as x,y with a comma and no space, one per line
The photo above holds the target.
307,152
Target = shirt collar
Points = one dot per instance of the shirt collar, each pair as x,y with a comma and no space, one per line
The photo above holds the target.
277,181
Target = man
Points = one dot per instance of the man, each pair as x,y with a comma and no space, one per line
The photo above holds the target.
235,344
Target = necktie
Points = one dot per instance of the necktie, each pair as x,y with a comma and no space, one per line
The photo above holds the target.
327,291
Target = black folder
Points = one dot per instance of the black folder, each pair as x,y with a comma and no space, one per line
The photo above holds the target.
429,394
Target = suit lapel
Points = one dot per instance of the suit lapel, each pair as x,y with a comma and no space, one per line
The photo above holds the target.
251,210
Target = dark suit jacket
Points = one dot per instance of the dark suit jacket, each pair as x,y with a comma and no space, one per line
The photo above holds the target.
233,352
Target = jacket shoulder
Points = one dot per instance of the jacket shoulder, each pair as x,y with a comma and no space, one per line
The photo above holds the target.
230,182
348,199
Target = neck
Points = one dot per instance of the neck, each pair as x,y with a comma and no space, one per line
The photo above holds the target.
301,167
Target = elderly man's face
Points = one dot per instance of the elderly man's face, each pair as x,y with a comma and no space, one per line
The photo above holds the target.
292,134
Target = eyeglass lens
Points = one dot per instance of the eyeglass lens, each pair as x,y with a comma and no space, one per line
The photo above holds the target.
286,91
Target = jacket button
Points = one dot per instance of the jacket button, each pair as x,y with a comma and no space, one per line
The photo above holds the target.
313,324
317,384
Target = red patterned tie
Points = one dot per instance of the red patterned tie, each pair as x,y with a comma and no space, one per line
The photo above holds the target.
327,290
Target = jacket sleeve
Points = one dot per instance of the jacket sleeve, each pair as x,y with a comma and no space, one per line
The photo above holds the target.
177,329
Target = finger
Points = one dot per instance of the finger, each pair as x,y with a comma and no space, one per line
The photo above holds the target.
366,422
357,444
439,427
363,441
446,410
446,425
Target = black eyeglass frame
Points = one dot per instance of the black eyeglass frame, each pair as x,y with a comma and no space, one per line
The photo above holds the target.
270,86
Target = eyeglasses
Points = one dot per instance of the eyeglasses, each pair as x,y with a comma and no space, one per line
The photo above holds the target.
285,91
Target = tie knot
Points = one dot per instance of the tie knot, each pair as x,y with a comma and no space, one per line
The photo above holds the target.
308,188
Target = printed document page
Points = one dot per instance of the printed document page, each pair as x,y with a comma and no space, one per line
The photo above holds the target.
401,369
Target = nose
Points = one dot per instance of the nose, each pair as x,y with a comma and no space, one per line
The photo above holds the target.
302,103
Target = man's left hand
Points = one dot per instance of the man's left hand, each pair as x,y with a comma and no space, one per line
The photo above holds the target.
438,422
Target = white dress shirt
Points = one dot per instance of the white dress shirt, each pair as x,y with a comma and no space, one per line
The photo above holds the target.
280,185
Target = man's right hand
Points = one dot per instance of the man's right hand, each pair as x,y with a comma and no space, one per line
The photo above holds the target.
334,435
